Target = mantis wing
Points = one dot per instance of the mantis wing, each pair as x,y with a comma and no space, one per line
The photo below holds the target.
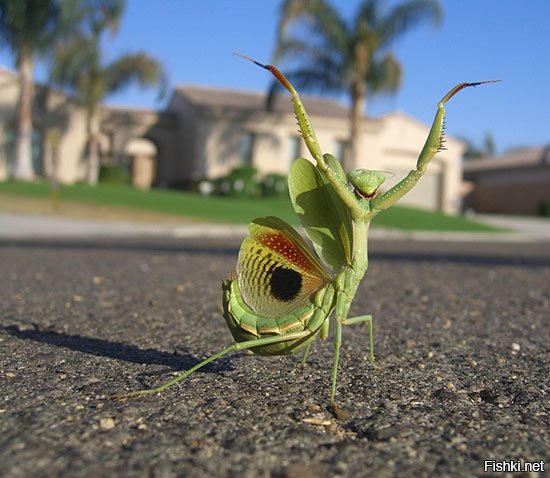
276,271
324,216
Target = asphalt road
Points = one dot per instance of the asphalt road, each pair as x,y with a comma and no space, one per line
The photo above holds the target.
461,339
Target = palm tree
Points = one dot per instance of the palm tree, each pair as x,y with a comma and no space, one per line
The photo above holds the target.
79,66
353,56
27,28
487,148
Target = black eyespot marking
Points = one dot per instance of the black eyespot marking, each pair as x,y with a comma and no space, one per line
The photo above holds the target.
285,283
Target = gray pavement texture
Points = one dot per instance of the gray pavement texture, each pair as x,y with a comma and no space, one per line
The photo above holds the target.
461,339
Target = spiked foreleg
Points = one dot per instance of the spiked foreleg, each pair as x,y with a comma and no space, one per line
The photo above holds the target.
434,143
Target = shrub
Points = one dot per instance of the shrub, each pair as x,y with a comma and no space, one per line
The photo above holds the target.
241,182
113,174
244,182
274,184
544,208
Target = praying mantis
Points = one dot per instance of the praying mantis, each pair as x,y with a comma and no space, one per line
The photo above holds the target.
284,294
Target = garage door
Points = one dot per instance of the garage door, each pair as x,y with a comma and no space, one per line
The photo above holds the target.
426,194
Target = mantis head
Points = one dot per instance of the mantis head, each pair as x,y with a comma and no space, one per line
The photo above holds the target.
366,182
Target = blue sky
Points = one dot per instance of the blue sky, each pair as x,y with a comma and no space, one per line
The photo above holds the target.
478,40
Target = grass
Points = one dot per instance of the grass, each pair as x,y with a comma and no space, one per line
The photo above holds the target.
177,204
123,202
409,218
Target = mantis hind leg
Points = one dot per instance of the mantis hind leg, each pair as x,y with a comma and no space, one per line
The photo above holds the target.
323,334
248,344
368,319
306,353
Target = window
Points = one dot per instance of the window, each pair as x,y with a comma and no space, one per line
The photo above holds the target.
341,149
247,148
294,148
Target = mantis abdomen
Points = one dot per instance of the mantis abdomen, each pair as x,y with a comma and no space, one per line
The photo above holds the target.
306,322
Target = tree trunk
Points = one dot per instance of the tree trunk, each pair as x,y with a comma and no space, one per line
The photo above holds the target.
23,145
93,146
357,94
357,91
54,141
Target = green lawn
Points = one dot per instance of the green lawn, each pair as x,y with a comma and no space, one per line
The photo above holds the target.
218,209
404,217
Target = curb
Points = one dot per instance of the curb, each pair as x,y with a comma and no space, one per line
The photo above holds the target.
28,226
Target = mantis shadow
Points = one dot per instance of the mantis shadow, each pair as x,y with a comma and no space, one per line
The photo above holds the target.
116,350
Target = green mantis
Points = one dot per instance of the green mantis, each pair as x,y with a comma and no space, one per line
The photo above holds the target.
284,294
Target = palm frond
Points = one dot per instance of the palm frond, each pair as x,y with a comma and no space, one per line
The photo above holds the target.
384,75
334,55
321,78
298,47
28,23
72,61
101,16
368,15
138,67
324,21
405,16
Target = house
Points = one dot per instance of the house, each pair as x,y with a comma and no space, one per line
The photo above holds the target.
221,129
516,182
206,132
141,140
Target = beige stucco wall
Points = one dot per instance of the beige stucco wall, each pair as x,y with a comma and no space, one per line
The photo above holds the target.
50,110
8,100
220,141
54,109
72,123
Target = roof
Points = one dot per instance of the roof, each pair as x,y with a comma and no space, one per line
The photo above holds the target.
211,98
514,158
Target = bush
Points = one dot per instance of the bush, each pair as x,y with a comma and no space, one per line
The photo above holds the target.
244,182
241,182
274,184
113,174
544,208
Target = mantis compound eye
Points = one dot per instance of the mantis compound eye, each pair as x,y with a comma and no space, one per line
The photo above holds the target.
366,182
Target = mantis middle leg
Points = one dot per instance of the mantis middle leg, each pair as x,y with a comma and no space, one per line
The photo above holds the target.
368,319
